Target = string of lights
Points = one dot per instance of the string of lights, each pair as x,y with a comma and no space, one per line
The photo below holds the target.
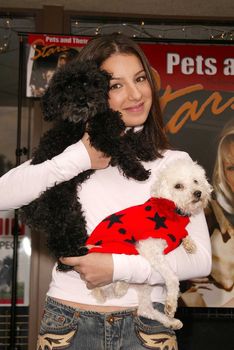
144,30
6,32
134,29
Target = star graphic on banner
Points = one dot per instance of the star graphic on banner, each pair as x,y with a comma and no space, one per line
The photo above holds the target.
113,219
159,221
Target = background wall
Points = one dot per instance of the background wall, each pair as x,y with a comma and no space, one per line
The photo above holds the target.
209,8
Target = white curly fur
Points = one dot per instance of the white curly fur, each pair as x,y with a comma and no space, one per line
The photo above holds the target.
184,182
189,177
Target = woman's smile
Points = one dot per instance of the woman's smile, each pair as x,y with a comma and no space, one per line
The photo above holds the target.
139,108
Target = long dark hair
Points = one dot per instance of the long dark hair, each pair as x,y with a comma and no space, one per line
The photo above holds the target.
101,48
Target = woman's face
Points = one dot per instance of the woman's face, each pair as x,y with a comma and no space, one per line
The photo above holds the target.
130,92
228,165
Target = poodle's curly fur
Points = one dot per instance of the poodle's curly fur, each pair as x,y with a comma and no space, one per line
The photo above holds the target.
77,101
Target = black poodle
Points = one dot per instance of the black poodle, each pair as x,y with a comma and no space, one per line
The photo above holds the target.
77,101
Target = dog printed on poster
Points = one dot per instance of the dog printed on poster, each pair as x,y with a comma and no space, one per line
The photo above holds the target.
180,191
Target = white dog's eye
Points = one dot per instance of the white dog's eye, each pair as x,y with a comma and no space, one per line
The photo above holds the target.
195,181
179,186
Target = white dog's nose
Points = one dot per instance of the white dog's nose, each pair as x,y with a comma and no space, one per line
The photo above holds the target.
197,194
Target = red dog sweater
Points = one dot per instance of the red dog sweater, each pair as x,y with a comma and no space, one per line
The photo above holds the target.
156,218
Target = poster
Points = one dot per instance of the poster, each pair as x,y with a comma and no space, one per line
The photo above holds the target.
6,260
46,54
196,87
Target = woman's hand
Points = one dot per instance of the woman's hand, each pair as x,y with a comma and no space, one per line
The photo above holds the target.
96,269
98,159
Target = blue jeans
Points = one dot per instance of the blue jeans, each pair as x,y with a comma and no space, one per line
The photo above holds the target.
64,327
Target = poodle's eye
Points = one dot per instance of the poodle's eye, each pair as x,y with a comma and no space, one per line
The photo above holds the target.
84,83
179,186
195,181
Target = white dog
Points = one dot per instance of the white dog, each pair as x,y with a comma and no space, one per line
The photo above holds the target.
179,191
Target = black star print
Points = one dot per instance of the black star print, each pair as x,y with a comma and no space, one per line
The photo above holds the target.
113,219
122,231
159,221
172,237
98,242
148,208
132,240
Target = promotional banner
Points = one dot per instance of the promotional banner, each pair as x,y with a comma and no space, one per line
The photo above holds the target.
46,54
196,88
6,260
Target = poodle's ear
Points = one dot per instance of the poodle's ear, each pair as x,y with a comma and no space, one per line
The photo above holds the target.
49,105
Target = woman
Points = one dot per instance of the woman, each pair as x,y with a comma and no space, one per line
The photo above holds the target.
71,314
223,177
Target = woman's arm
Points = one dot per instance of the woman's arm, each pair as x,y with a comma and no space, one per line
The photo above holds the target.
26,182
136,269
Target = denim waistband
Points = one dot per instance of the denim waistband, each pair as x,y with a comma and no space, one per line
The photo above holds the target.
120,313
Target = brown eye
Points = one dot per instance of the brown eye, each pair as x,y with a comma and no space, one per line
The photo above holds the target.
115,86
195,181
141,78
179,186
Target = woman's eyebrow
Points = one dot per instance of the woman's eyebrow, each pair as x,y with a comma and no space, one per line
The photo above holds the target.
119,78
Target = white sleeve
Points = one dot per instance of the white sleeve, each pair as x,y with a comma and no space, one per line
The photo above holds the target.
21,185
136,269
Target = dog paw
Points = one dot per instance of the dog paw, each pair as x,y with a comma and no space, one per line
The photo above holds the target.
167,321
175,324
171,322
170,309
120,289
99,295
189,245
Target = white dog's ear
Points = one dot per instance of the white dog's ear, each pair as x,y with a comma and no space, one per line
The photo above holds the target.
154,187
160,188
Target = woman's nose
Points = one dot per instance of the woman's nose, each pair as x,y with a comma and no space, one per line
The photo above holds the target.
134,93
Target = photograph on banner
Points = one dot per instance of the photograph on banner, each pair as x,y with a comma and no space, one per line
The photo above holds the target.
6,260
196,89
46,54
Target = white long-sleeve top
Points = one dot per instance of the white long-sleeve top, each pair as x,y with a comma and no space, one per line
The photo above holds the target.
106,192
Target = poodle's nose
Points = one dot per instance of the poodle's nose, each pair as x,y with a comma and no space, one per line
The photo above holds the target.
82,99
197,194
